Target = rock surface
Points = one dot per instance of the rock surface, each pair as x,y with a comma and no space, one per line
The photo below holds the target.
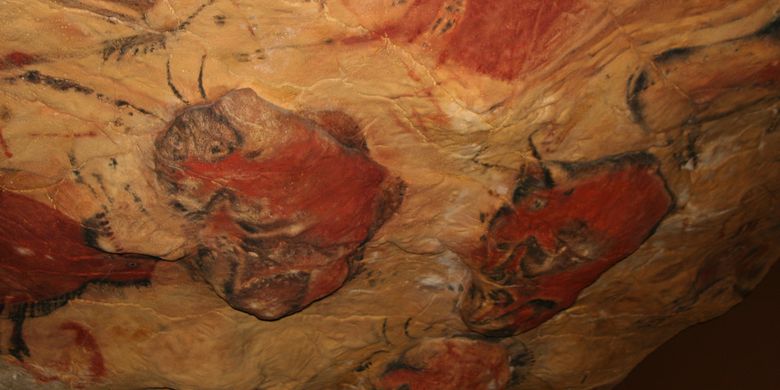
208,194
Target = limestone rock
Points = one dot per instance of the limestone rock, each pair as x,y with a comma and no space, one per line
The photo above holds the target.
213,194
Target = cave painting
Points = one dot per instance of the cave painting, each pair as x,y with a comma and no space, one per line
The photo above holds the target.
47,259
688,86
561,234
452,363
498,38
282,203
567,224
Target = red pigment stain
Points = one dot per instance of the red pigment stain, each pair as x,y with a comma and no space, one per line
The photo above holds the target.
706,89
555,241
332,190
336,187
450,364
502,38
769,74
499,38
16,60
416,21
4,145
85,340
43,255
298,210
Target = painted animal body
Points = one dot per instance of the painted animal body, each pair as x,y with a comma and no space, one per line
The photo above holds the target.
450,363
45,261
559,236
282,204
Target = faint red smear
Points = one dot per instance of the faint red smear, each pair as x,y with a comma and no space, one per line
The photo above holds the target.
16,60
4,145
85,340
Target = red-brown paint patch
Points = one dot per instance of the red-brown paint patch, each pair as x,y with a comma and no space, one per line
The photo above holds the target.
43,254
709,87
558,238
4,145
84,339
503,38
282,221
74,357
695,86
499,38
418,19
455,363
336,188
17,60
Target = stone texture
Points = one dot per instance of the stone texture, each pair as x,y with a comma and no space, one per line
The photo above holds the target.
419,194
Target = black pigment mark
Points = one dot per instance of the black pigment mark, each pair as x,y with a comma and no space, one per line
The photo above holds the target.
21,311
400,364
501,333
674,54
533,262
123,103
436,24
99,178
253,228
771,29
529,184
219,20
136,199
690,149
534,151
520,364
384,332
220,196
91,235
146,42
634,89
178,206
74,168
367,363
502,212
501,297
134,44
203,260
363,366
230,282
447,26
64,85
170,83
542,304
190,18
95,227
18,348
200,77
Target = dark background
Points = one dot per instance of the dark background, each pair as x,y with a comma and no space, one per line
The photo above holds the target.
738,350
